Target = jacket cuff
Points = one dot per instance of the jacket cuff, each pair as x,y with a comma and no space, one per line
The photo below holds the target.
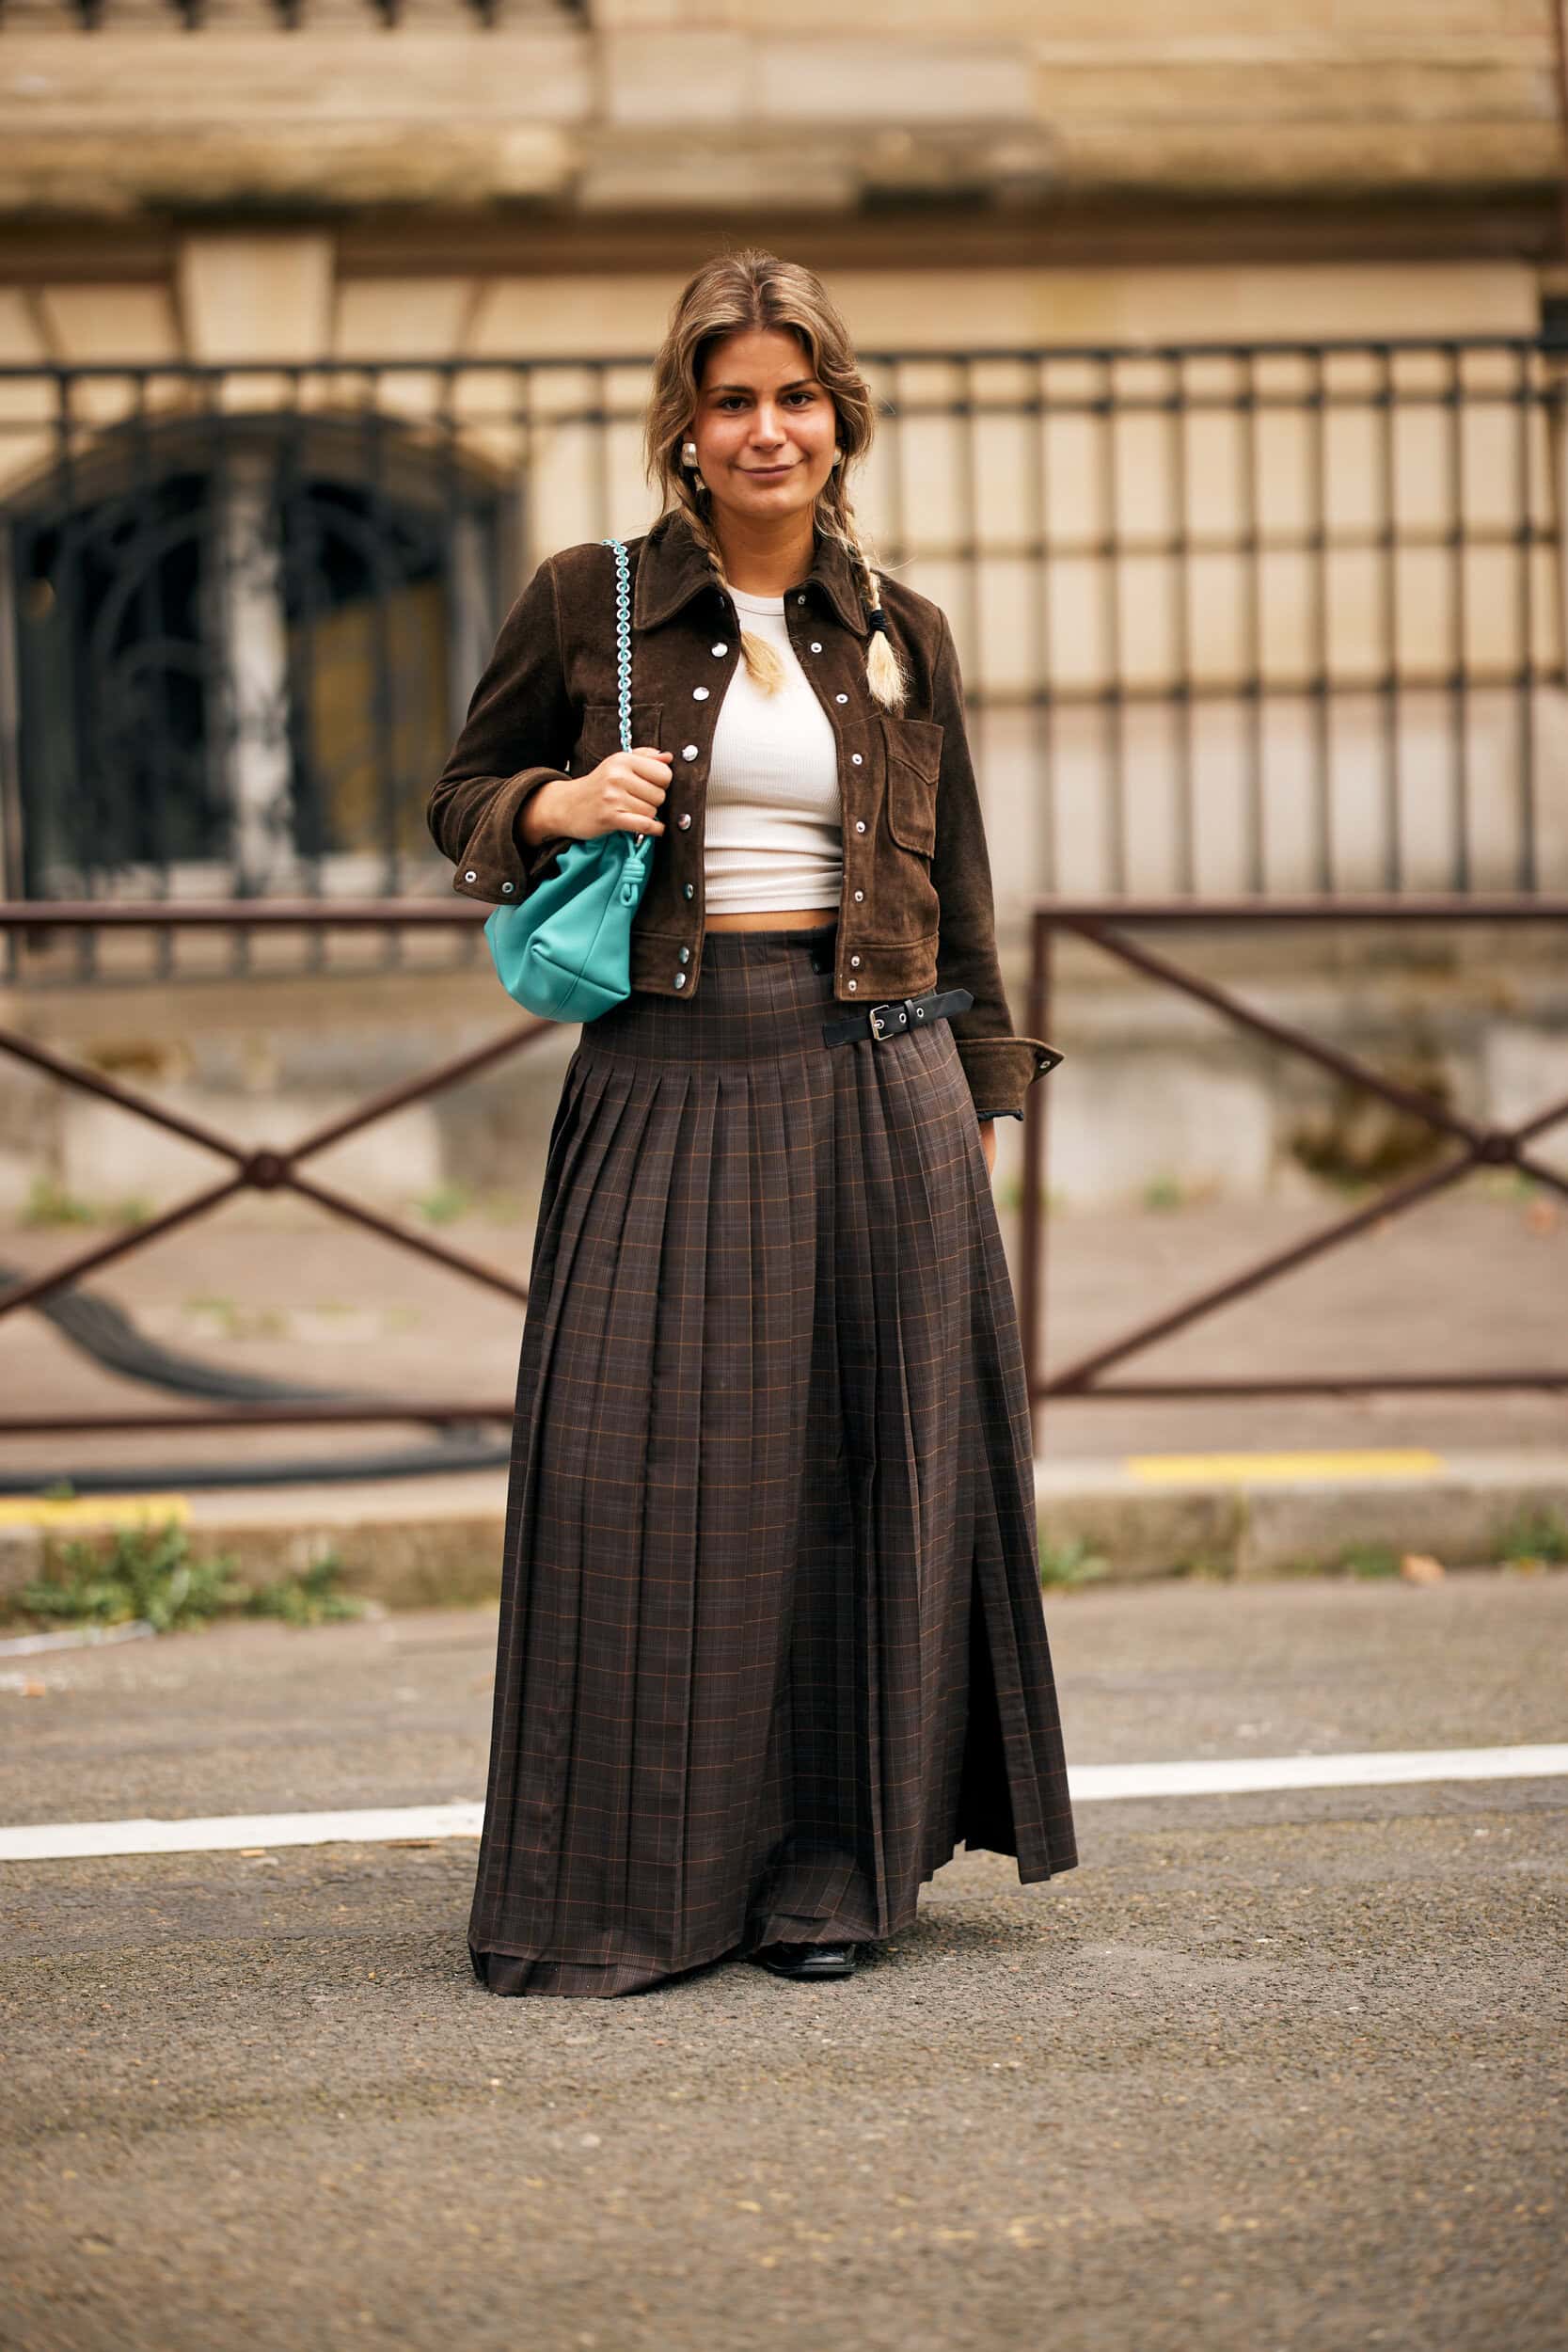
1001,1069
497,865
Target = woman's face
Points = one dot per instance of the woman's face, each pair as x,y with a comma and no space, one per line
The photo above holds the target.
765,427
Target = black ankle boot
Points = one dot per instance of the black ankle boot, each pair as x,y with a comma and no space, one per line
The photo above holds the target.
807,1959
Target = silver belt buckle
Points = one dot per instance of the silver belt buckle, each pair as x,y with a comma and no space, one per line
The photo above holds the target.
879,1029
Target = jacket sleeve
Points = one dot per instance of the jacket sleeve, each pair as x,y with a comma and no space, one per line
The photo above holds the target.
521,725
999,1064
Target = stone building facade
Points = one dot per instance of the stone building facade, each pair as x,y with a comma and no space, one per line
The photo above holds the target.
294,184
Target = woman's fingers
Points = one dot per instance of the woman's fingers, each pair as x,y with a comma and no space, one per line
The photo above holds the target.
653,767
639,779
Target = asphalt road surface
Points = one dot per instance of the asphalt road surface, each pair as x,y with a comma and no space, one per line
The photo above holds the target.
1267,2071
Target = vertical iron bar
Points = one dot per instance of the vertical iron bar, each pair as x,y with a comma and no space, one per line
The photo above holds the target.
298,544
1459,712
81,720
1393,868
1528,879
1037,508
1179,560
214,598
1252,646
972,641
12,841
1112,690
961,410
449,531
1317,550
897,537
154,743
383,690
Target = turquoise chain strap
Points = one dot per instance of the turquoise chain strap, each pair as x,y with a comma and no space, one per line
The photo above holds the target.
566,952
631,889
623,637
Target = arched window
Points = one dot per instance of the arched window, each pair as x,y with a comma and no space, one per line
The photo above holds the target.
244,645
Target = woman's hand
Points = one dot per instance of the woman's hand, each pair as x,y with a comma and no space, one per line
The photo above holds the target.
620,795
987,1143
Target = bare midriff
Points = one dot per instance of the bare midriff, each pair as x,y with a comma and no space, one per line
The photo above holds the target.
772,919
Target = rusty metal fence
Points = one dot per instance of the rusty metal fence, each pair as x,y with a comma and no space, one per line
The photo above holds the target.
1108,924
256,1170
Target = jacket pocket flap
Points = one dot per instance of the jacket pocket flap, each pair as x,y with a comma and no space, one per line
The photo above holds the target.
914,766
600,732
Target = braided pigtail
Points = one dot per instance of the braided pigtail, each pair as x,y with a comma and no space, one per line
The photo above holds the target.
884,672
763,666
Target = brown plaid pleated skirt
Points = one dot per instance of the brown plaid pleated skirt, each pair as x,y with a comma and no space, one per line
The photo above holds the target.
771,1642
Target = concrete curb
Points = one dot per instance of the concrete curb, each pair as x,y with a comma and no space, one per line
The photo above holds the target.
436,1542
1463,1514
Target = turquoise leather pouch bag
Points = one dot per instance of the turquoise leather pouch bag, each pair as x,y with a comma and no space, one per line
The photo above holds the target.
565,953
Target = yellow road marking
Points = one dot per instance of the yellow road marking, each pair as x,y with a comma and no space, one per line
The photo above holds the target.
92,1510
1366,1462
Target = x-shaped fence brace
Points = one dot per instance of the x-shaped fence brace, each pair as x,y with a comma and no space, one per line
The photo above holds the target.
1492,1147
1097,920
258,1170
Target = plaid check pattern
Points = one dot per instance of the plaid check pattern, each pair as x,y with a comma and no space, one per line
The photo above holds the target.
771,1638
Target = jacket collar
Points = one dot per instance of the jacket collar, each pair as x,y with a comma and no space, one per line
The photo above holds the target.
672,567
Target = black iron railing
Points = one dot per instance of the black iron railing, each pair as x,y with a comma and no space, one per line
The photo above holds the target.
1235,620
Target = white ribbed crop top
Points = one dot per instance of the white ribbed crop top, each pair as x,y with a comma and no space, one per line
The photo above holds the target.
774,825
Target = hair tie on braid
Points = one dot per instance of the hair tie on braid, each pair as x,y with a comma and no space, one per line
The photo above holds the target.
876,620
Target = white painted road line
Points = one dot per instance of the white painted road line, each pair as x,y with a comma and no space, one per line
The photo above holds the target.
220,1833
1238,1775
59,1841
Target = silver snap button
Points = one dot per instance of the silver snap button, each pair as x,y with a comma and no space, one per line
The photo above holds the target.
860,893
691,889
680,979
855,760
815,648
719,651
841,698
854,958
854,983
698,693
686,954
685,818
860,824
799,600
471,875
688,750
507,888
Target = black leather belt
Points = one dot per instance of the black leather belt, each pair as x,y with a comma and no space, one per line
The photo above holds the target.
898,1014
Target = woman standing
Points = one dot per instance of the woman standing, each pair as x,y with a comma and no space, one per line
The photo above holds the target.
770,1636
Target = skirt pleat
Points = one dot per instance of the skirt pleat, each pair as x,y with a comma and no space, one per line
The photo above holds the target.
770,1640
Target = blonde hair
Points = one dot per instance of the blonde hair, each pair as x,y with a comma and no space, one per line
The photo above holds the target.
732,295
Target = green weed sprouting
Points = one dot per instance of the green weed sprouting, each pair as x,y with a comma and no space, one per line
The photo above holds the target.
1071,1564
1536,1534
153,1575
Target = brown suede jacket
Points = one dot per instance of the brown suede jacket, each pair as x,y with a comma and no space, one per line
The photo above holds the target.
916,909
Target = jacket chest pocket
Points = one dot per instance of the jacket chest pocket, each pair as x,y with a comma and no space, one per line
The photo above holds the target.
906,911
600,732
913,764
